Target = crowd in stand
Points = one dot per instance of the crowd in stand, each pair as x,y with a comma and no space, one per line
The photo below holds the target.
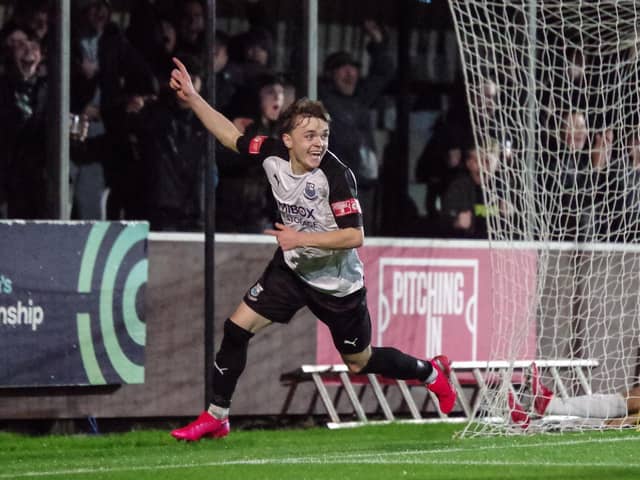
137,153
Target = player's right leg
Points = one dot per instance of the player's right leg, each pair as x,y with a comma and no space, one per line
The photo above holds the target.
275,297
229,364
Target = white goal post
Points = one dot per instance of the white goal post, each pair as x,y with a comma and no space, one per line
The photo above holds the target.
566,118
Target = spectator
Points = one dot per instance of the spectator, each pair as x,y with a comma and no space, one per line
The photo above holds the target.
441,160
465,213
9,40
621,216
225,86
568,80
154,35
632,189
244,200
23,99
109,79
31,16
191,16
348,97
571,177
170,145
250,55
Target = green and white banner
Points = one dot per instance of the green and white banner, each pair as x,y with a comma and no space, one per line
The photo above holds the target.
72,303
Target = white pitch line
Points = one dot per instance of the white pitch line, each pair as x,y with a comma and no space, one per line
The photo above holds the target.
318,461
362,458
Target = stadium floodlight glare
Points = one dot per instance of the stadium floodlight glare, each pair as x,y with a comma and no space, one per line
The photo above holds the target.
553,93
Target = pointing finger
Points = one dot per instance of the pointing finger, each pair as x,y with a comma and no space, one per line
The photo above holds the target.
180,65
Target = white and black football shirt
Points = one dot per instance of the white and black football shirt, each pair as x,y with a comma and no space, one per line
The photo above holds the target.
322,200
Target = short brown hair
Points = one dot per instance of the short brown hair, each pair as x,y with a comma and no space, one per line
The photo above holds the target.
302,108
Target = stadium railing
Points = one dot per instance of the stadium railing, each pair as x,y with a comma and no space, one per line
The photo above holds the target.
474,382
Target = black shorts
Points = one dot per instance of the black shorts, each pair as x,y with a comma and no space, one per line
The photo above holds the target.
280,293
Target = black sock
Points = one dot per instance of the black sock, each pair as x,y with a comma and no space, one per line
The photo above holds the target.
392,363
230,362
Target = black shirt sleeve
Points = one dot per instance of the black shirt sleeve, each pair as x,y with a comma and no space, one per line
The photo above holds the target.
261,146
343,199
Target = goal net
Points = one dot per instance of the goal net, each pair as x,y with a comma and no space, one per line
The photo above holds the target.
554,88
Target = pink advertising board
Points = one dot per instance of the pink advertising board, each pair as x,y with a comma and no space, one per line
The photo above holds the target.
458,298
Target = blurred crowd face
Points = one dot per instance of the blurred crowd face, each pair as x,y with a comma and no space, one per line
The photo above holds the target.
346,78
38,22
257,54
490,92
576,66
488,160
574,133
168,35
485,99
14,39
97,16
27,57
220,57
271,101
191,22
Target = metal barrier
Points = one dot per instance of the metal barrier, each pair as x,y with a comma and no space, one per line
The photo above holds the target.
472,381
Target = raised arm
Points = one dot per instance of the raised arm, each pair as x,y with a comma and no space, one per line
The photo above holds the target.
219,125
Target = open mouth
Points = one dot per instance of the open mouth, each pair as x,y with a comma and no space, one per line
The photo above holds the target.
27,65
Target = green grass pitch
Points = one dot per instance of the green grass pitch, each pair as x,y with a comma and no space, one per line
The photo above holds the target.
374,452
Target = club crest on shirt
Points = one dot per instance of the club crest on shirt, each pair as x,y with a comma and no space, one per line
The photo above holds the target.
310,191
255,291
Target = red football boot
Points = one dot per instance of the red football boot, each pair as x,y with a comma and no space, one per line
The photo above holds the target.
518,415
206,425
442,386
541,394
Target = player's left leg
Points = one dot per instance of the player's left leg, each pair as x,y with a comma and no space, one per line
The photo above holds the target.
392,363
350,325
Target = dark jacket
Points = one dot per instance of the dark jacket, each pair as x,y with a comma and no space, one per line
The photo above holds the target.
123,71
569,192
351,122
463,194
170,145
23,146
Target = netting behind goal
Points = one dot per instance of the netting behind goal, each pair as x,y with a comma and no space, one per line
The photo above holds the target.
554,94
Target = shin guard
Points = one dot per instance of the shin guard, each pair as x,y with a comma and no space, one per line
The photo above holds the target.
230,362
